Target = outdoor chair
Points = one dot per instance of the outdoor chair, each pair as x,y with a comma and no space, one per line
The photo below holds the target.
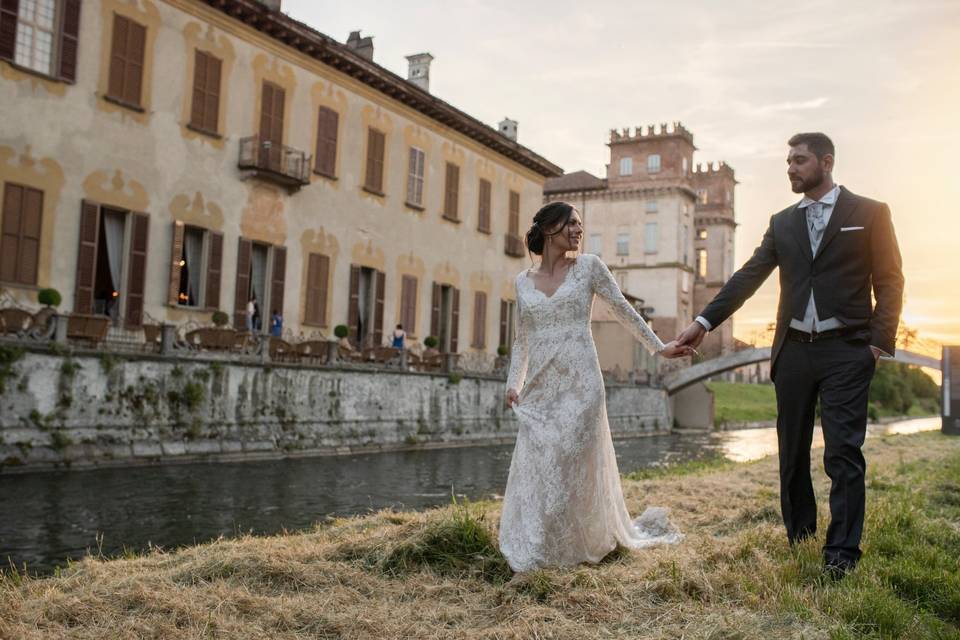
87,327
15,321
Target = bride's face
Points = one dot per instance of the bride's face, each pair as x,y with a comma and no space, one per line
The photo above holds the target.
570,235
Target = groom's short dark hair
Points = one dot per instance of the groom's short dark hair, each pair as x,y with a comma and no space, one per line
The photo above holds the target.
818,143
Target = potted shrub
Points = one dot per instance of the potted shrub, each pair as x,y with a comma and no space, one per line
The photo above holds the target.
341,331
503,350
431,342
49,297
220,318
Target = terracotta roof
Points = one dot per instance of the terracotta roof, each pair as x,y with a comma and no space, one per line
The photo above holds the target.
311,42
576,181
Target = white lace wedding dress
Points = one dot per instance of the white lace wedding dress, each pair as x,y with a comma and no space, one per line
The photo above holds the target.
563,503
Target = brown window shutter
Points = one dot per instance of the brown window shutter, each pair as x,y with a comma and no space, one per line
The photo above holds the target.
277,281
483,209
198,101
133,78
318,269
69,34
271,125
378,309
10,238
118,56
451,192
139,239
242,291
211,107
375,150
22,217
87,256
327,123
514,213
353,308
408,305
176,255
9,10
214,268
455,321
435,310
480,320
504,310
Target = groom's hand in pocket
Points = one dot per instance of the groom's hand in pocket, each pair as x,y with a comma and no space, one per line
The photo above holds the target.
511,398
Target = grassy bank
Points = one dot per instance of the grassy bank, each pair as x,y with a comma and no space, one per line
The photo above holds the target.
439,575
740,402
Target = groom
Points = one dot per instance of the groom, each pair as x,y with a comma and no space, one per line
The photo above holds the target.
832,247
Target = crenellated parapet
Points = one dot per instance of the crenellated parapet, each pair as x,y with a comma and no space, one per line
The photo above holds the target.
641,133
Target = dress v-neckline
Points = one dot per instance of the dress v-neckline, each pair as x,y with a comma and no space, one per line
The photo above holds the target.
566,277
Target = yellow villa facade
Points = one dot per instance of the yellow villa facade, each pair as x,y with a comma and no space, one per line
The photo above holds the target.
164,159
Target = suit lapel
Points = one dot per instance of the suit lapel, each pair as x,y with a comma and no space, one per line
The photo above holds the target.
846,205
798,219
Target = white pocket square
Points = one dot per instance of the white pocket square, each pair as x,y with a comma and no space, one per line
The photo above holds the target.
851,228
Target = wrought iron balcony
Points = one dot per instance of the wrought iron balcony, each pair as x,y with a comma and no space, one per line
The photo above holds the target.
513,245
276,162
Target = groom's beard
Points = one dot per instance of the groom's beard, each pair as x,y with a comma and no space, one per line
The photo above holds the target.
807,184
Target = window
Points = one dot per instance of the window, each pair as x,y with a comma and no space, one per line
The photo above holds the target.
685,166
651,206
626,166
650,237
684,241
20,238
701,196
596,242
318,274
41,35
479,320
685,282
195,267
204,111
653,163
702,263
701,234
514,221
126,61
261,274
622,280
328,121
36,34
408,304
415,177
483,209
623,243
373,181
451,192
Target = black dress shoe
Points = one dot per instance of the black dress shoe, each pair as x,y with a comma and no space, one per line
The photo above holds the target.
837,568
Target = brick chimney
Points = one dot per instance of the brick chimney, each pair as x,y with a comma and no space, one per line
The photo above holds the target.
363,46
419,70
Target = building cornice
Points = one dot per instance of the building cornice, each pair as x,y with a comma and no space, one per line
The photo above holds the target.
622,194
325,49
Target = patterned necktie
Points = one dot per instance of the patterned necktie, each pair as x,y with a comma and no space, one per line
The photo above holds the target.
816,223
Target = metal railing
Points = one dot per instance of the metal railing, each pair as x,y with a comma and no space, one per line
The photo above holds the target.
288,165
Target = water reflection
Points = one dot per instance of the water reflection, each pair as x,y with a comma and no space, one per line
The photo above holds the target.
51,516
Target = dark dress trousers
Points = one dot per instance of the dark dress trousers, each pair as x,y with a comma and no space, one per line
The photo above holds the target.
858,253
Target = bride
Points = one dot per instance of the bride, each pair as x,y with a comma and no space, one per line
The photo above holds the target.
563,503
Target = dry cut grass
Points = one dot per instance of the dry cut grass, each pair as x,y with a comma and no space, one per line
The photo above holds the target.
439,574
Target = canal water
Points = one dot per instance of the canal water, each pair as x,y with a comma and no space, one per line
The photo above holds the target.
46,518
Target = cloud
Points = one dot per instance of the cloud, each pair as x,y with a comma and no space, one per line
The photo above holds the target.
781,107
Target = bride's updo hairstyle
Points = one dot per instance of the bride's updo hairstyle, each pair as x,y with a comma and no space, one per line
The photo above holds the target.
555,216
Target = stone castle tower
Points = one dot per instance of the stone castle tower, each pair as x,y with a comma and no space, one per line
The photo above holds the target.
663,224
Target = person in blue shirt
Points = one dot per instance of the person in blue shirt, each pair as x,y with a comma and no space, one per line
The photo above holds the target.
276,324
399,337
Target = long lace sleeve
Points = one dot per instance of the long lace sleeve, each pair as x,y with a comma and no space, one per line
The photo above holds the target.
518,352
606,287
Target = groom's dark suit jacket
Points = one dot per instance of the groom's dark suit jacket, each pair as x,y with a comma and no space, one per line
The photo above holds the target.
858,250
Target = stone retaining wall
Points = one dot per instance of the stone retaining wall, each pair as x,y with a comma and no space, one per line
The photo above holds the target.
86,409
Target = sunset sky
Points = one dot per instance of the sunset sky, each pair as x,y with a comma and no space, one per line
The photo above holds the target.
881,78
